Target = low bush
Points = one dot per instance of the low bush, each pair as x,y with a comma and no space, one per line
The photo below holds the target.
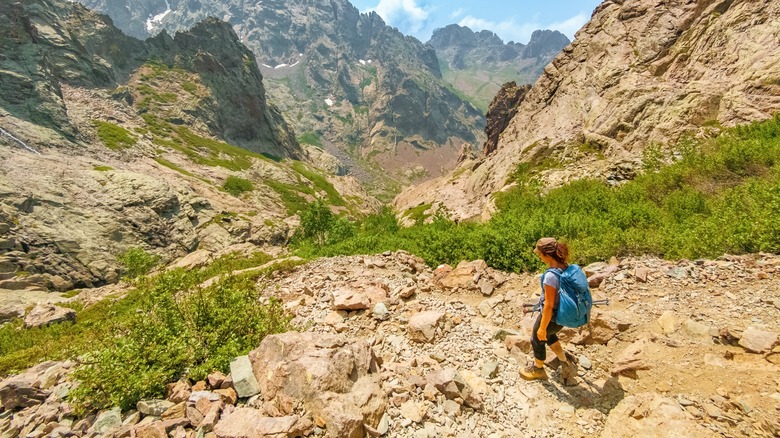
179,329
137,262
237,186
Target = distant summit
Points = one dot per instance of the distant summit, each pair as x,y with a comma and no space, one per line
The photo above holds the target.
487,46
545,43
478,63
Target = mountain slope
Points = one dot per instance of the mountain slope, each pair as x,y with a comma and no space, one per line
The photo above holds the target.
478,63
108,143
345,78
639,73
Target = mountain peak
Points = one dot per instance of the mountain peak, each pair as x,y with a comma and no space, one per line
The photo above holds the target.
458,36
545,42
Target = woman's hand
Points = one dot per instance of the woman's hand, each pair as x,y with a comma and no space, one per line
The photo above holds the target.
542,334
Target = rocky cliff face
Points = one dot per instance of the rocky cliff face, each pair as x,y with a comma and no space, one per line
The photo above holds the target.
39,58
478,63
346,79
107,143
501,112
639,72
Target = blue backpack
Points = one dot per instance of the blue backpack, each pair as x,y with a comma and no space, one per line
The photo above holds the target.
574,299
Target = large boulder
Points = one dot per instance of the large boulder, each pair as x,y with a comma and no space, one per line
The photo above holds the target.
350,299
250,423
651,415
758,341
631,360
334,376
454,386
463,276
601,329
20,393
45,314
301,365
346,415
422,327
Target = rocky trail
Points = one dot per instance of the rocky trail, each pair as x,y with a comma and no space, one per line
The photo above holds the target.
389,347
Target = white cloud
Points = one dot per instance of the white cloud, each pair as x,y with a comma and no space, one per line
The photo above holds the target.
457,13
403,14
510,30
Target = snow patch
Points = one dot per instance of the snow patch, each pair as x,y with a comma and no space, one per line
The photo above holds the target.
362,61
328,102
152,22
266,65
300,55
280,66
296,63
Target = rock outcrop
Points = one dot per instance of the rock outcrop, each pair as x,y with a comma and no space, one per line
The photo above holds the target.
638,73
501,112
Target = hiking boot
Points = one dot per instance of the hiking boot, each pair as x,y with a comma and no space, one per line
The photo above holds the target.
532,373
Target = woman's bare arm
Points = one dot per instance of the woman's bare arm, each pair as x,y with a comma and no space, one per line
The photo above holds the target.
547,311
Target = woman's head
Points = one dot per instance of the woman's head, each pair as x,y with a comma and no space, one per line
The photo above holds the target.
548,247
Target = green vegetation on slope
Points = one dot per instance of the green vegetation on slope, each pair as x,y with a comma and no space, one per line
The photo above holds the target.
479,86
137,262
166,328
721,196
311,138
320,183
236,186
114,136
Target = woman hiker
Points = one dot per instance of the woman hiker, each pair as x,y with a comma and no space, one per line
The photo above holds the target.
555,255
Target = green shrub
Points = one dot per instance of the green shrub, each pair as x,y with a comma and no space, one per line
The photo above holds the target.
179,329
97,326
417,214
114,136
137,262
720,196
316,222
236,186
103,168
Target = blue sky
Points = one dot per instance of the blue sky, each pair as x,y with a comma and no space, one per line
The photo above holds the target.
512,21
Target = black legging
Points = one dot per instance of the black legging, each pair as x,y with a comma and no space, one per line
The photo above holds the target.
540,352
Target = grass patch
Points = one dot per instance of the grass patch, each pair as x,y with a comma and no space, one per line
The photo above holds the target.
168,164
237,186
320,183
114,136
103,168
721,196
190,87
290,194
311,138
417,214
71,293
